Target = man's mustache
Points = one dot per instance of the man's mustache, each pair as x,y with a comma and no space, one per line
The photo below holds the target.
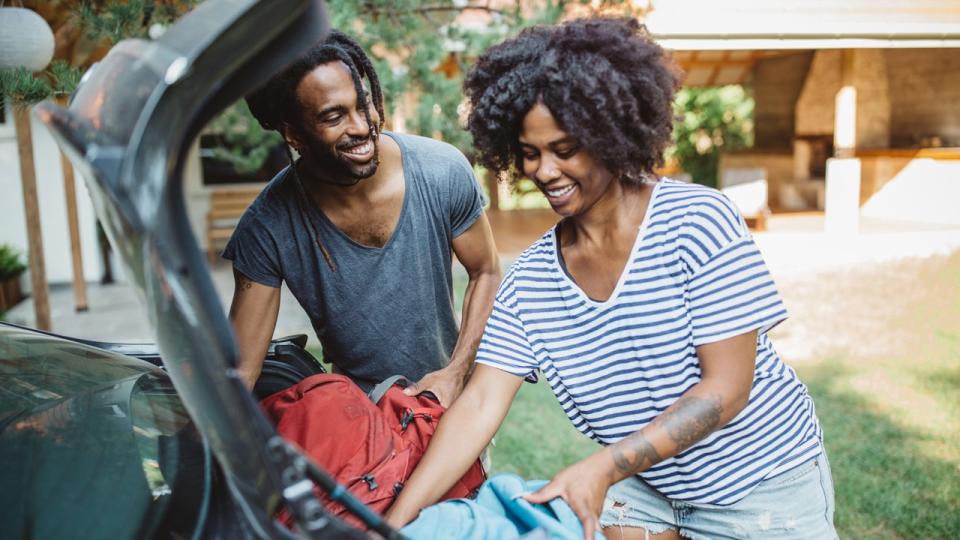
353,142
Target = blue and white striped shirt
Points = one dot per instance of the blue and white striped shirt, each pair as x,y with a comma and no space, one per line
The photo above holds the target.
695,276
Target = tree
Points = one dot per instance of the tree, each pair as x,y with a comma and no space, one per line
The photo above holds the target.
84,31
423,48
712,120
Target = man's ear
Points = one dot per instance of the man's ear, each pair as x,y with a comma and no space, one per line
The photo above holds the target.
292,137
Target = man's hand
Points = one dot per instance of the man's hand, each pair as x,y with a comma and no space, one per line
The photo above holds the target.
583,486
446,384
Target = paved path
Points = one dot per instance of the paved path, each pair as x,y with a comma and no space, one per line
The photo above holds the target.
796,245
793,246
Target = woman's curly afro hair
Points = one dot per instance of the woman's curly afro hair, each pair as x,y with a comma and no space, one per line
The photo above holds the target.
605,81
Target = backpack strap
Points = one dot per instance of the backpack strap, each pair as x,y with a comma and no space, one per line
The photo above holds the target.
378,391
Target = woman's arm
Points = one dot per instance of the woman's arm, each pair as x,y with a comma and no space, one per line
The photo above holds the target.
723,391
464,431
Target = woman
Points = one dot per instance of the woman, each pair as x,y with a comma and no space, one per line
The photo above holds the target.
647,309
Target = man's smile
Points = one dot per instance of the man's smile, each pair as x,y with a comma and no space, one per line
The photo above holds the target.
360,153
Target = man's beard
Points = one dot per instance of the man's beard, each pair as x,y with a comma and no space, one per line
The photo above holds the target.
331,167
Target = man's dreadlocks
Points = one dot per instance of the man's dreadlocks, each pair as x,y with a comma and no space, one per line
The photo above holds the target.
275,103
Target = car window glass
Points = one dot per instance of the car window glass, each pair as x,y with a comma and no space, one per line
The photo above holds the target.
92,444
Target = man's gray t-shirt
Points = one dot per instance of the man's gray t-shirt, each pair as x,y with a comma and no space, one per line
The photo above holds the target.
384,311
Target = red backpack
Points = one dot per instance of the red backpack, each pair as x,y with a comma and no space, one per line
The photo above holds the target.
369,444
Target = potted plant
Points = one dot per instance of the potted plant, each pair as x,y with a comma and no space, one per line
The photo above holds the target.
11,266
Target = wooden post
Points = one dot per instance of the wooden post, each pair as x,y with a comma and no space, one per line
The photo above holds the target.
28,177
70,190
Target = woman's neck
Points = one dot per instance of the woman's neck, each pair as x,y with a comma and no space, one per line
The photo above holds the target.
616,216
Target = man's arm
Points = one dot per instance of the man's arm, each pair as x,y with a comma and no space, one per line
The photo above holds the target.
477,253
253,315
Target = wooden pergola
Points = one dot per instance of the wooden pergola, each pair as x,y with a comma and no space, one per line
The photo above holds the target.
718,43
718,68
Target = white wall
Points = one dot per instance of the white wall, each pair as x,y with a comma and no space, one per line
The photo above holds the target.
924,190
53,212
196,195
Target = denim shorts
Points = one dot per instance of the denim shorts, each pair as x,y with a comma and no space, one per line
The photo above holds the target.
796,504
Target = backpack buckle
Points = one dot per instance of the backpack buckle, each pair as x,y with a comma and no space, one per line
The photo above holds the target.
370,481
406,419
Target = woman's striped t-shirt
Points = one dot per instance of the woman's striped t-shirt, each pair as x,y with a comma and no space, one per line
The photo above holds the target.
695,276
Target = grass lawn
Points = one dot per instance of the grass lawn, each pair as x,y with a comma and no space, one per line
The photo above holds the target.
890,412
879,349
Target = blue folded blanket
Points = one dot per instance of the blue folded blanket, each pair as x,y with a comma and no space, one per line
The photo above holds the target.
498,512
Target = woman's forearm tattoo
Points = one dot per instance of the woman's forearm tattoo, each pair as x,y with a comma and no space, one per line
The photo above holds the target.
635,454
687,421
691,419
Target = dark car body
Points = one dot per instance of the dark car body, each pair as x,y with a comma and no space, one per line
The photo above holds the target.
96,442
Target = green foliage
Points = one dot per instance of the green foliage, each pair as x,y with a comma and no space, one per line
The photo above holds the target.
25,88
64,77
21,86
425,47
11,262
115,20
112,21
712,120
244,143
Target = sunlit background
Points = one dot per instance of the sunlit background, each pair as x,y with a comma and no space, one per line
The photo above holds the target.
834,127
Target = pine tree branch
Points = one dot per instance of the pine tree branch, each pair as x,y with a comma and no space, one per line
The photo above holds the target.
423,10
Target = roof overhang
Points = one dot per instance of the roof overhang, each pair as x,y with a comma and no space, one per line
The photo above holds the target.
794,43
809,24
718,43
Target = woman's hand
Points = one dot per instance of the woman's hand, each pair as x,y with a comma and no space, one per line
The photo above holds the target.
399,520
583,486
464,430
723,391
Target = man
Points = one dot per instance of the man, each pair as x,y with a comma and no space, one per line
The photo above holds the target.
361,228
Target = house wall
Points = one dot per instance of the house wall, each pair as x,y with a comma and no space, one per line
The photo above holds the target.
196,195
831,70
904,188
869,76
52,202
53,209
814,111
877,171
924,96
776,85
906,98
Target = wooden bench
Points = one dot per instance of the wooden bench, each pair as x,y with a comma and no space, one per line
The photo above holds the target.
226,207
